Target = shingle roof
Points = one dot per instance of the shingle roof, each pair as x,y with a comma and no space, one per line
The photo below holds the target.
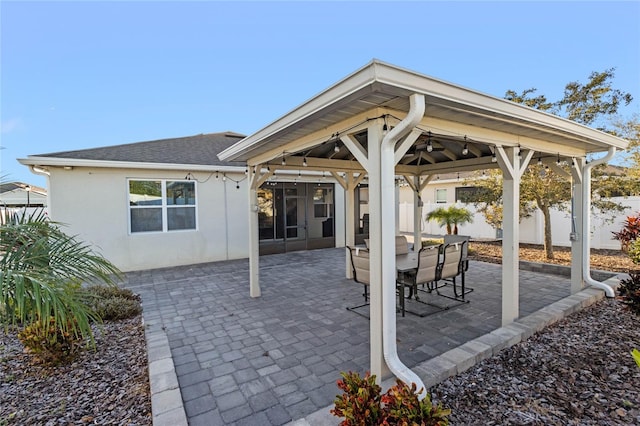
12,186
200,149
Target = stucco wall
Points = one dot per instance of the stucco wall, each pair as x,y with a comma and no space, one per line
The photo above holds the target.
93,203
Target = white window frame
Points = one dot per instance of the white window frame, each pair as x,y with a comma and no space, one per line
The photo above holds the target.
445,196
164,206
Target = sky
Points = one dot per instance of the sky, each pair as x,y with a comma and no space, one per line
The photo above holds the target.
83,74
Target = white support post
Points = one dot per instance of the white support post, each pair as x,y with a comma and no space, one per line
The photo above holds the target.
254,237
417,214
577,221
378,364
509,162
396,205
418,185
350,219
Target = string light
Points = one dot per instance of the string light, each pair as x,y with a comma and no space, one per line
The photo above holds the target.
465,149
558,160
336,148
304,162
429,145
539,161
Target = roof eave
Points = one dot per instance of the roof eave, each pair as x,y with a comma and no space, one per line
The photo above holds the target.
378,76
74,162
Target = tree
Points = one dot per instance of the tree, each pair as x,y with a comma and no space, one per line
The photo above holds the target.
629,129
450,217
41,271
591,103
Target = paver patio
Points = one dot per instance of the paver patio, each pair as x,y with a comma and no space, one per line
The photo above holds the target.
274,359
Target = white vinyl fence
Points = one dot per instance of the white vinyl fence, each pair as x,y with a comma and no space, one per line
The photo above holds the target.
531,228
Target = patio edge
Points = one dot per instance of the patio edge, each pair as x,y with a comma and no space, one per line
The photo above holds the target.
465,356
167,407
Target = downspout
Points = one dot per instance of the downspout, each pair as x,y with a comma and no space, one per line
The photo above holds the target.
586,224
38,171
387,176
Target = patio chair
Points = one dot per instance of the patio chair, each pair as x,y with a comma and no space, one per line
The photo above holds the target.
425,274
448,239
454,263
402,246
360,267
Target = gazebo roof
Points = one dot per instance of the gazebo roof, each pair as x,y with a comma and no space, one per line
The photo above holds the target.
454,116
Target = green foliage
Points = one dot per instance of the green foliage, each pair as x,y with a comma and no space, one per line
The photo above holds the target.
636,356
113,303
41,271
451,216
630,232
362,404
432,242
49,343
402,407
539,102
634,251
586,103
629,292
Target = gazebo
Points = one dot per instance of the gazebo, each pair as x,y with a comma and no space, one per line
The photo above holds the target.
382,122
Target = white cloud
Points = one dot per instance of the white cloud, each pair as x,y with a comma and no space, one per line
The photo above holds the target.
10,125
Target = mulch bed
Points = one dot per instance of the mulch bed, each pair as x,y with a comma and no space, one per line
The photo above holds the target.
107,386
578,371
603,260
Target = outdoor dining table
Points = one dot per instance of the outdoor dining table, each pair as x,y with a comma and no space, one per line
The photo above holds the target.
407,262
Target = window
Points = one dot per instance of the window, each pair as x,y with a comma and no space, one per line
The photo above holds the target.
468,194
161,205
322,202
441,195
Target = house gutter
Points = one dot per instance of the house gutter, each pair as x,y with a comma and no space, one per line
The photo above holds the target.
586,224
38,171
388,263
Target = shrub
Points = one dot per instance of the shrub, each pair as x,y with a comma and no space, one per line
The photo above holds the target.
629,291
49,343
113,303
41,269
634,251
629,232
362,404
402,406
432,242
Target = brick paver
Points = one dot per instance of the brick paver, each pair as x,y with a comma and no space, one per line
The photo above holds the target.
274,359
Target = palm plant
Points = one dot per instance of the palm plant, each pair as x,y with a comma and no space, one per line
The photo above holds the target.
450,217
41,273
